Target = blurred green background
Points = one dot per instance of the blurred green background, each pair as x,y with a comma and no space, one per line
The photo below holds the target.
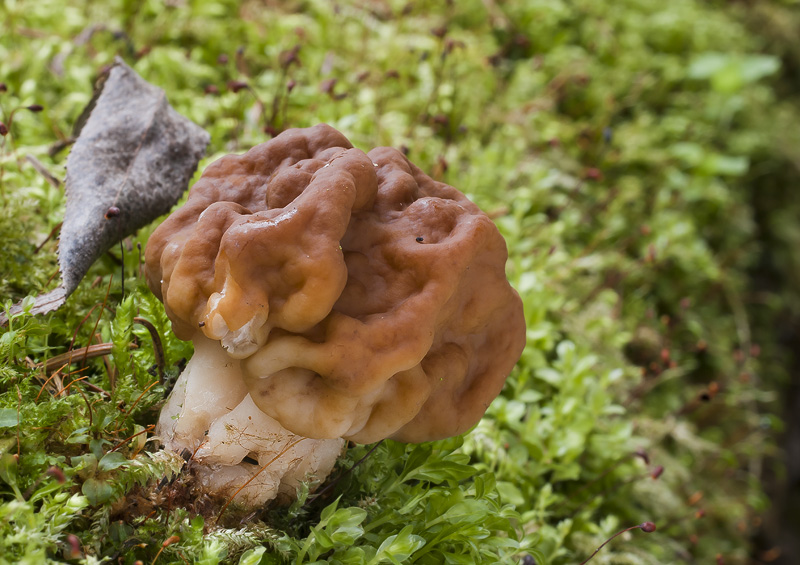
642,159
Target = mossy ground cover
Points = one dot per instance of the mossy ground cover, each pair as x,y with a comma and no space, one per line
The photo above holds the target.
636,156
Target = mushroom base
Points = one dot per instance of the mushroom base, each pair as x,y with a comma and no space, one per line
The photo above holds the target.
239,452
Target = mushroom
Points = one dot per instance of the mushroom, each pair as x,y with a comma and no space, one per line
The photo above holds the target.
331,295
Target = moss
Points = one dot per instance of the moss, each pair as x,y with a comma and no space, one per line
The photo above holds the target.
634,154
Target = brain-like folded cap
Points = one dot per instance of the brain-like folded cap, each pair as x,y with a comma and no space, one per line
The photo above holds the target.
365,299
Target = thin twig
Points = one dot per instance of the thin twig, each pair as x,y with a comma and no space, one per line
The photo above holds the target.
80,354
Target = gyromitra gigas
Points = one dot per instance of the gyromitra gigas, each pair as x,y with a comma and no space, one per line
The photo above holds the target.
331,295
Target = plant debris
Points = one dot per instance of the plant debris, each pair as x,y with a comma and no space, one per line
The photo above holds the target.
134,156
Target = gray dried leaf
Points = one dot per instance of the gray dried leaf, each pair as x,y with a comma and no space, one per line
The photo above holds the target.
130,164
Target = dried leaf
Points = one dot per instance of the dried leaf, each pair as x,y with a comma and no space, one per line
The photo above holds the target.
131,163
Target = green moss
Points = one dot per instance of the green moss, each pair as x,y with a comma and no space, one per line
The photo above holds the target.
633,153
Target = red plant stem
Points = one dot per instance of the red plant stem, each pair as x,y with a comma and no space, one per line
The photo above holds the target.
41,390
158,349
66,388
50,236
645,526
167,542
19,409
97,322
149,428
135,402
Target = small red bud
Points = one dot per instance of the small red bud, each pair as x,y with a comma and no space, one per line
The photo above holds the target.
112,212
648,527
57,474
642,454
211,89
657,472
665,355
720,560
75,551
593,173
35,107
451,44
170,540
3,129
327,85
289,57
236,85
222,59
700,513
3,87
290,85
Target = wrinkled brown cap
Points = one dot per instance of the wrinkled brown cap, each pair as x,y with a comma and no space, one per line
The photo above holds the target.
365,299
